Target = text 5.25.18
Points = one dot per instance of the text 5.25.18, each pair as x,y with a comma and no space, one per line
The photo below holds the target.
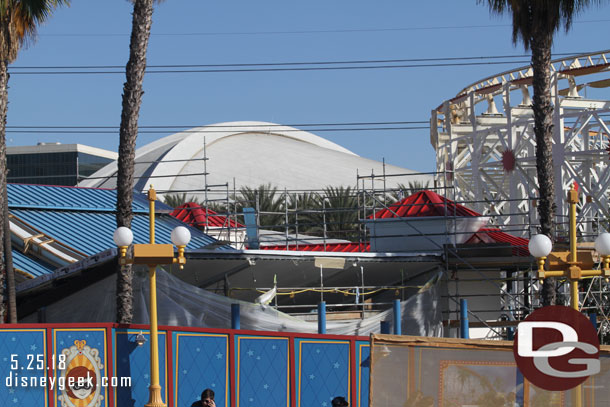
35,361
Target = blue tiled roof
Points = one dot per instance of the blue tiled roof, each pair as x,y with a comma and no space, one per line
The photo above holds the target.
84,219
71,198
33,267
91,232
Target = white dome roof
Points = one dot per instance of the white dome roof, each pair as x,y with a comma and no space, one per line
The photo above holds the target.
252,153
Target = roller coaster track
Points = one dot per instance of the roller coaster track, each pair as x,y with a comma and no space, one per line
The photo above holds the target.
487,153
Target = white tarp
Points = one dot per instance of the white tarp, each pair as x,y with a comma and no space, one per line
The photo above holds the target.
182,304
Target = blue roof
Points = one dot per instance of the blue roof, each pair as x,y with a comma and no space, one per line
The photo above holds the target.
91,232
33,267
72,198
84,219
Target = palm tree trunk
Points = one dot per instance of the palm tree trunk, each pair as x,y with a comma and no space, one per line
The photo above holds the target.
132,99
3,111
8,260
543,129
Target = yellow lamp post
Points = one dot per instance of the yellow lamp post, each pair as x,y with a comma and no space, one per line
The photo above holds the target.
572,265
152,255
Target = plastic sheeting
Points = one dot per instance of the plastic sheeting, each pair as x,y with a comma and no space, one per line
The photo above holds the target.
428,372
182,304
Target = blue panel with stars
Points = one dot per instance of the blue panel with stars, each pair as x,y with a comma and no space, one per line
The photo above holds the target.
363,370
133,361
201,362
262,371
323,371
95,338
23,347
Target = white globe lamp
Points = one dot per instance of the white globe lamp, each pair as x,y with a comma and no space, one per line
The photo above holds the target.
181,236
540,246
602,244
122,236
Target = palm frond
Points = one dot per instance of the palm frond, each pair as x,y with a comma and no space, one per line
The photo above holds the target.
402,191
342,212
538,17
305,212
19,20
268,203
175,200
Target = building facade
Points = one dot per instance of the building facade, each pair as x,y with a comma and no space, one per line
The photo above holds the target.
55,163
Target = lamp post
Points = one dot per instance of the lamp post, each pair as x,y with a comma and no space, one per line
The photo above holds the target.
152,255
568,265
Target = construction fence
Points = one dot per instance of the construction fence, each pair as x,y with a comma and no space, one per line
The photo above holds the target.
425,372
243,368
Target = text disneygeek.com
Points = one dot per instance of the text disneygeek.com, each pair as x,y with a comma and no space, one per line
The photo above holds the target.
14,380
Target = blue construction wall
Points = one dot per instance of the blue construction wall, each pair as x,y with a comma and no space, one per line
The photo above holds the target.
244,368
133,360
322,370
19,349
89,345
201,359
363,359
262,371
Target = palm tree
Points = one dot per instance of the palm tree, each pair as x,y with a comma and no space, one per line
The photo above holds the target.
535,23
267,202
306,209
132,99
18,22
402,191
342,217
175,200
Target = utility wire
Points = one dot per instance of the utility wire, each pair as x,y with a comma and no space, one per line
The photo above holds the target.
339,31
231,126
228,70
211,131
358,61
277,66
361,61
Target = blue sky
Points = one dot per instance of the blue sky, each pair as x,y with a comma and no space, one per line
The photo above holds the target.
92,33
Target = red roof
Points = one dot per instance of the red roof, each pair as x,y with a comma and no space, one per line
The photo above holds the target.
347,247
489,235
196,215
485,235
424,203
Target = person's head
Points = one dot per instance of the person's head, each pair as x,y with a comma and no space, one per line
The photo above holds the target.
207,396
339,402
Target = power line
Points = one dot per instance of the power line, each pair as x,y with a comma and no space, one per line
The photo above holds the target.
279,66
336,31
360,61
231,126
213,131
321,68
252,128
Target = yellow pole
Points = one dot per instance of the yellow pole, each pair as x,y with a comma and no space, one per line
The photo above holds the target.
155,399
576,391
152,196
574,294
573,199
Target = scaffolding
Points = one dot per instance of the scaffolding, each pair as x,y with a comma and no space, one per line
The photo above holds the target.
485,162
485,150
489,152
500,286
